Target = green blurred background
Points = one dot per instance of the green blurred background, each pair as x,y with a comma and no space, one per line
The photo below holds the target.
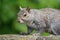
10,8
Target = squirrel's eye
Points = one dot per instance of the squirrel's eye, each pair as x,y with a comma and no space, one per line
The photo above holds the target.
24,15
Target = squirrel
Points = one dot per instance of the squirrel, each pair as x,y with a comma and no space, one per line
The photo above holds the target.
42,20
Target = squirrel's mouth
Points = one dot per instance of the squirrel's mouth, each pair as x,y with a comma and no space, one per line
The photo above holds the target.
20,20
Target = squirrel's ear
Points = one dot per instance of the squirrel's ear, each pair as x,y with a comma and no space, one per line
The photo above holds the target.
21,8
28,9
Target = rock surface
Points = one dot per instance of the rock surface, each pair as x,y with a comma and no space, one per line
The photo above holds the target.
28,37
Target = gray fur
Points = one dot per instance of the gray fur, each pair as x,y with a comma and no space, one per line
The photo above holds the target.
44,19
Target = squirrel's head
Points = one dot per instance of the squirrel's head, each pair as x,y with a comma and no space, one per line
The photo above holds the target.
24,15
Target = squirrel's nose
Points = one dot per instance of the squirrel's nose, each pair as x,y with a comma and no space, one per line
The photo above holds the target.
18,20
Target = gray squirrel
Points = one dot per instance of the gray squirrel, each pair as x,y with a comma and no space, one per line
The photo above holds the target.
42,20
